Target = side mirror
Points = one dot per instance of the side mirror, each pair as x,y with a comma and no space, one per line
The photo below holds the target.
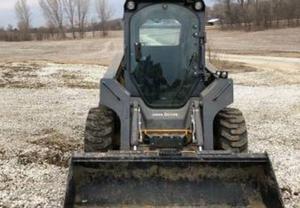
138,51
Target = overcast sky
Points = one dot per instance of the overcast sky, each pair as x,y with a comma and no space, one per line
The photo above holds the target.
7,12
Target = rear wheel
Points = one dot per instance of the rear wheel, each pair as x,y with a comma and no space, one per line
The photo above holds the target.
99,130
230,131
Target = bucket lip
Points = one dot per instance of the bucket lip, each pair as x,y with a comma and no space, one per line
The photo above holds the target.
154,156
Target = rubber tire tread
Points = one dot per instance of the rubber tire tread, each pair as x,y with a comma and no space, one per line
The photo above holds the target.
230,131
99,130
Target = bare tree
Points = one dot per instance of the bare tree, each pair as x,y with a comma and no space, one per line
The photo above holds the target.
105,12
257,14
24,22
228,11
69,8
93,26
82,7
54,13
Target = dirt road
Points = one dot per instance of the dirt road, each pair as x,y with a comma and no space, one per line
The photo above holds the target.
44,106
271,71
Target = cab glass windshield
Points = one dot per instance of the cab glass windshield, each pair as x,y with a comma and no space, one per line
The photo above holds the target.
164,54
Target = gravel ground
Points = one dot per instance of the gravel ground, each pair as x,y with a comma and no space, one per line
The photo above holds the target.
40,126
43,111
273,121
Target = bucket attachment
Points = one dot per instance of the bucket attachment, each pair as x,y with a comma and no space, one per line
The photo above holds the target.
126,179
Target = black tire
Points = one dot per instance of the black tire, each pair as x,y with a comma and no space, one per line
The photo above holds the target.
230,131
99,130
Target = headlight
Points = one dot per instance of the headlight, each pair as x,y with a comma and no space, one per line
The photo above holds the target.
131,5
199,5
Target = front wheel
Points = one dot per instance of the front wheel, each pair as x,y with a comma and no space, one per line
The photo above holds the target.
230,131
99,130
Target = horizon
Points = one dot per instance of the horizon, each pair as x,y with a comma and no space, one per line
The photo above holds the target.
8,16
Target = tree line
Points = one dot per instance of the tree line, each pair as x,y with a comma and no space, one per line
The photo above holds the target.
256,14
64,18
71,18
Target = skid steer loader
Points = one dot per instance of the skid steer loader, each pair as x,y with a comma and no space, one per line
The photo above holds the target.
163,135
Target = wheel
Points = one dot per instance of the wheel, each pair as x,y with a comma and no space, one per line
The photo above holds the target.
230,131
99,130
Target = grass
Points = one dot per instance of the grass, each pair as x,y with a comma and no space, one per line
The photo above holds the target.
230,66
26,76
54,149
280,42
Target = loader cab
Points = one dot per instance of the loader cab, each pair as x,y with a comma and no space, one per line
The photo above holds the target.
165,51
